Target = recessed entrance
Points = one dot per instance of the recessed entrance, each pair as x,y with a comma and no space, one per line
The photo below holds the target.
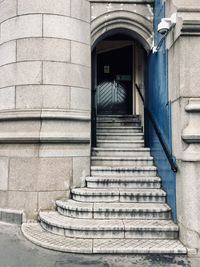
118,64
114,78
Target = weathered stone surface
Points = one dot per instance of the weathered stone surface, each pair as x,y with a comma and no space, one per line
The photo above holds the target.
179,122
21,27
66,74
21,73
40,174
184,3
19,150
80,54
11,216
80,99
190,68
7,98
81,169
4,174
61,7
42,96
26,201
3,199
43,49
46,200
63,150
66,28
80,9
22,129
66,128
8,9
188,203
7,53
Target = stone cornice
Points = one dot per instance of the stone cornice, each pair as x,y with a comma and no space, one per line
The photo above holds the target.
190,27
44,114
34,139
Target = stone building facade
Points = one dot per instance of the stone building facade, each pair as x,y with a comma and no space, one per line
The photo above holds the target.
45,96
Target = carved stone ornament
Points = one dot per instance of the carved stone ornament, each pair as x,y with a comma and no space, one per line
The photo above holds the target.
191,134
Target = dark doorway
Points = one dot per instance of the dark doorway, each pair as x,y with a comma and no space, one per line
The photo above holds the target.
114,81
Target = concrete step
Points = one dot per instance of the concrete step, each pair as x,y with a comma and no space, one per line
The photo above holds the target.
118,123
122,161
118,119
120,143
94,228
121,136
123,182
121,152
117,116
75,209
119,195
36,234
119,129
123,171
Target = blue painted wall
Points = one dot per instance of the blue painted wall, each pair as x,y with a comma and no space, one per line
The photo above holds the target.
156,98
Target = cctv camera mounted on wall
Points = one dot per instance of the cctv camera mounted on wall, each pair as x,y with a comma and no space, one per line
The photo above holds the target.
167,24
164,27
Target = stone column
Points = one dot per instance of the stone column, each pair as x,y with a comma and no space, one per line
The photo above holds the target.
184,88
45,100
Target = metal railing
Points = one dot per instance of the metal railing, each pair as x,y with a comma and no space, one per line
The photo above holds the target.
168,154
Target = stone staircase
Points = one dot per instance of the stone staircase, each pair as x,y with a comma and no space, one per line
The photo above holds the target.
123,207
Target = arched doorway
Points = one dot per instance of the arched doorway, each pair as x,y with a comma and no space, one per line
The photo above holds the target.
114,75
118,65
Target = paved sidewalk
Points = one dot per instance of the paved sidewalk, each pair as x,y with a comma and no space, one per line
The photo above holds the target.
16,251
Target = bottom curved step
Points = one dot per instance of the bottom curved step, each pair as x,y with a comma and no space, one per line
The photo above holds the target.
36,234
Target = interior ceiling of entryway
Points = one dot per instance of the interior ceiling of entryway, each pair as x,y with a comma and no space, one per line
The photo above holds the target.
114,42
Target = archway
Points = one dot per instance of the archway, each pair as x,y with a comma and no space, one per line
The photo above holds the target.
118,65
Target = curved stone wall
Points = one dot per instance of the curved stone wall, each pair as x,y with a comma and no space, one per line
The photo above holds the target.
44,101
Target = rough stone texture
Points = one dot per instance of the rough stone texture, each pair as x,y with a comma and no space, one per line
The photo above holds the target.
65,128
19,150
21,73
60,7
46,200
7,53
55,26
184,82
80,54
8,9
40,174
80,9
24,200
21,27
43,49
4,174
22,129
42,96
66,74
188,204
11,216
64,150
83,103
81,169
7,98
44,55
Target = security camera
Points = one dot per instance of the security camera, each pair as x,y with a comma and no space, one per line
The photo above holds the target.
166,24
163,27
